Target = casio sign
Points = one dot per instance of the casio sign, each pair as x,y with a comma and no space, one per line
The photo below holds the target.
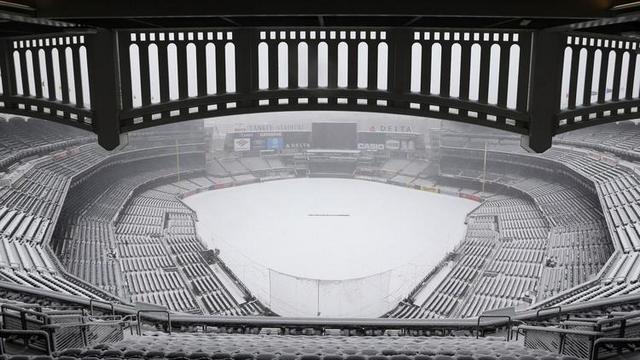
364,146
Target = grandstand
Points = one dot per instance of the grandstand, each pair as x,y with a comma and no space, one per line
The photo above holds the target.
156,237
21,140
93,228
615,185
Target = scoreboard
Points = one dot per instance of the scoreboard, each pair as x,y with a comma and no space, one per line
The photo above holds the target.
335,136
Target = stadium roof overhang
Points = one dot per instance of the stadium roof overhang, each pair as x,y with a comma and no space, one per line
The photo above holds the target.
511,14
107,30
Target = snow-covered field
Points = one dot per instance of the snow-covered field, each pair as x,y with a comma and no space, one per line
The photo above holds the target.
272,234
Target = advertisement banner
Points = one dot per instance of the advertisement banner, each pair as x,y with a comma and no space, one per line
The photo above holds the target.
274,143
258,143
297,140
392,144
370,146
470,197
242,144
371,141
430,189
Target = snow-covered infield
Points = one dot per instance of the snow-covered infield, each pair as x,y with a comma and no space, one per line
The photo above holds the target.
329,247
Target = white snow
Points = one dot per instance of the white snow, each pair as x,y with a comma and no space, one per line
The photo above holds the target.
330,229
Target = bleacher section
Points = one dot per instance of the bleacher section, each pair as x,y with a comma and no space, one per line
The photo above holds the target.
588,153
29,209
618,190
21,139
250,168
161,255
84,239
621,139
33,190
497,264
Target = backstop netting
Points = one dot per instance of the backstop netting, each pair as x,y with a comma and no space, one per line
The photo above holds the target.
290,295
369,296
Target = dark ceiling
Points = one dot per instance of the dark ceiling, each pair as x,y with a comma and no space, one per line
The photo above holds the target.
34,16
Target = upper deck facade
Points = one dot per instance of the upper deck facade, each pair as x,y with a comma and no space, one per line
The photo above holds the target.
533,68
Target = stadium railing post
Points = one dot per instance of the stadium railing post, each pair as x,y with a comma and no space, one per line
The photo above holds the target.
4,333
399,77
247,63
509,321
544,89
547,309
7,71
153,311
104,83
91,301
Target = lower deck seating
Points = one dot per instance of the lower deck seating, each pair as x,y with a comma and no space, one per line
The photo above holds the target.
575,255
496,265
513,268
578,207
84,239
577,252
162,257
45,281
34,190
28,212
